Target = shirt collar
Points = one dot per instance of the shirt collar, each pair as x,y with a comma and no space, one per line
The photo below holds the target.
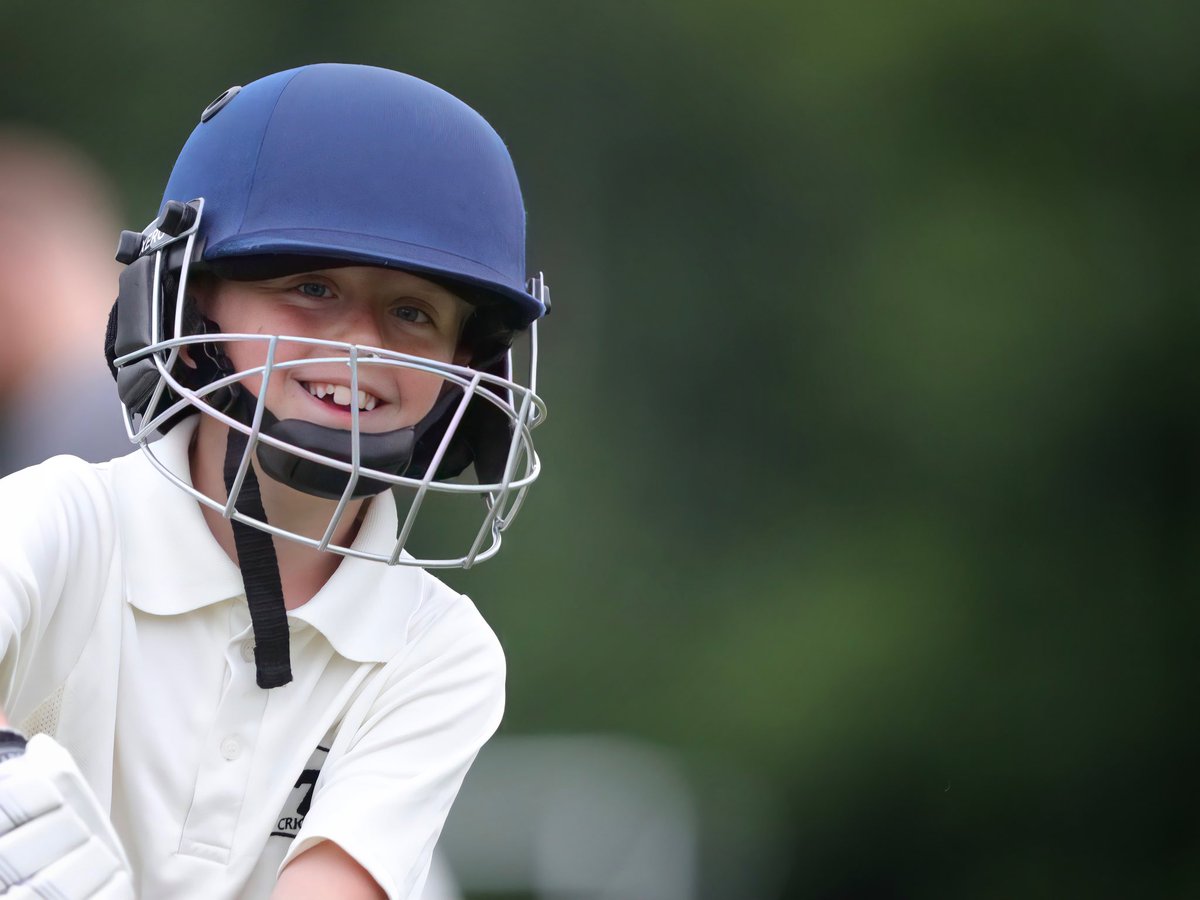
364,608
172,562
174,565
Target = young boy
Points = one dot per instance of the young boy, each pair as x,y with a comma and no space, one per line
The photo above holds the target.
251,676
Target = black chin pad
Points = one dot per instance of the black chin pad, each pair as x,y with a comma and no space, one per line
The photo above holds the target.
388,452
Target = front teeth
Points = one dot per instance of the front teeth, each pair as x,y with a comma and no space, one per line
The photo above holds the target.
341,395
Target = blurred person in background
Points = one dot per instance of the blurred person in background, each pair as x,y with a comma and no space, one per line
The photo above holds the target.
57,281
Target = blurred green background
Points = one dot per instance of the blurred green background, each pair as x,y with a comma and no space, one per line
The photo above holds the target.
871,470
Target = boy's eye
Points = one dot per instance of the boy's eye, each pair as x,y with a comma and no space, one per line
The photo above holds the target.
314,289
411,314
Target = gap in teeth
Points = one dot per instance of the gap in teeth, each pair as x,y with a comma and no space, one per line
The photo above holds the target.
340,394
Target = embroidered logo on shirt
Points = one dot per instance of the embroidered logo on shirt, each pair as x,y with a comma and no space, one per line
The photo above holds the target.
300,799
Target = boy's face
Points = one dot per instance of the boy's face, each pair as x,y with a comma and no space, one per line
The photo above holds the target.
365,305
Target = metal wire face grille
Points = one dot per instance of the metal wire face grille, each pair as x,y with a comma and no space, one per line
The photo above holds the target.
498,500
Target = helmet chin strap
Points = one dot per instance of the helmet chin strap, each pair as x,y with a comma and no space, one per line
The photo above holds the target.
260,573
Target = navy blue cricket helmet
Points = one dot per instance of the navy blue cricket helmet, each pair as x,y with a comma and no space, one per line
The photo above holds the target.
360,164
335,164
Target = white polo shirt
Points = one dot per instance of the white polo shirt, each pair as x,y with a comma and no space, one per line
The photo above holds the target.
124,633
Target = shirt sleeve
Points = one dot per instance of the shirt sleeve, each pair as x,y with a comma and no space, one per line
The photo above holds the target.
55,550
385,797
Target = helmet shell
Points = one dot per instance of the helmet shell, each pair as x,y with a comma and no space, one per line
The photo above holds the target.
361,164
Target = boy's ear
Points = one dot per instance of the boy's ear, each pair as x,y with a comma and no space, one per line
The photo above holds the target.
199,291
196,305
194,319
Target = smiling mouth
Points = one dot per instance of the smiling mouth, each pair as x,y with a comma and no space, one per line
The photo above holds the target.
338,395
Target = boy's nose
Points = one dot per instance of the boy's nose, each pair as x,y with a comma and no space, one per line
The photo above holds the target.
361,325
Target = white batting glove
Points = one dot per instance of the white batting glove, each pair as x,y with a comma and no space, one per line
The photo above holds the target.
56,842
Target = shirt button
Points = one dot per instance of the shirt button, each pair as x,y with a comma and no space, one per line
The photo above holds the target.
230,748
248,651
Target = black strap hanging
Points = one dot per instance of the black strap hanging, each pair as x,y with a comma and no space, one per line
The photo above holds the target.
260,573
